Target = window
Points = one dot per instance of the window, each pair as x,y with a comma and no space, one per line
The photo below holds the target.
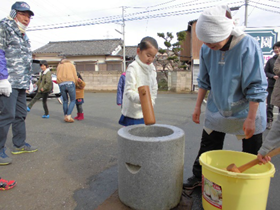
85,66
114,66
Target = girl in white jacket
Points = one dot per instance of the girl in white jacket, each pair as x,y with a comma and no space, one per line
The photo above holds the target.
139,73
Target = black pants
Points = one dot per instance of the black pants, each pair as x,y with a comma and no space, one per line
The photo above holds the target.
269,108
215,141
79,108
37,97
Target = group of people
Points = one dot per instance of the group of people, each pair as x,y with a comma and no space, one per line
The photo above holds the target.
71,86
231,69
15,74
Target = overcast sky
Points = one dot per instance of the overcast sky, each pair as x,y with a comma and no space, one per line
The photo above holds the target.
53,13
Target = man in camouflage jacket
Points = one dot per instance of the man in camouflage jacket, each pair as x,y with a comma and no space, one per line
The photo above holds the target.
15,71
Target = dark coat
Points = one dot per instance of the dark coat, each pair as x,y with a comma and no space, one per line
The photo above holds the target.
45,82
275,97
269,71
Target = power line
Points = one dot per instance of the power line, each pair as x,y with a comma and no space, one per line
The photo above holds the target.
118,18
267,5
274,1
131,14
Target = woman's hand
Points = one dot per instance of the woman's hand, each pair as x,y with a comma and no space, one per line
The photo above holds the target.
196,115
249,128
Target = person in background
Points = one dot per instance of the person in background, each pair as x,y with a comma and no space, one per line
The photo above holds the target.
15,74
7,184
80,97
120,89
272,139
139,73
231,68
60,100
67,78
45,86
271,78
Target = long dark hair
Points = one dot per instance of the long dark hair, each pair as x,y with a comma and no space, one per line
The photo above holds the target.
80,76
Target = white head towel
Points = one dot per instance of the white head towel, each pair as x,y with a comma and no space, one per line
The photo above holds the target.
213,26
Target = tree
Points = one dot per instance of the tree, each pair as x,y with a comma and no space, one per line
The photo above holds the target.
169,58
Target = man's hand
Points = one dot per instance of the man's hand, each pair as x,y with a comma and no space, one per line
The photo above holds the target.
5,87
263,159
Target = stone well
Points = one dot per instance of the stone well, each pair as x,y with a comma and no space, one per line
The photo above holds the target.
150,165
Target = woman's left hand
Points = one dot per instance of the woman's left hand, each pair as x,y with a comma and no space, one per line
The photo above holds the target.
249,128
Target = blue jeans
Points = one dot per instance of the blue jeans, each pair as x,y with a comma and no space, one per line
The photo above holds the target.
66,90
13,111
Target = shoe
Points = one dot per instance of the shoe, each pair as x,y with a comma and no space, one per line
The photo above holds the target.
4,158
46,116
192,183
77,117
59,100
269,125
23,149
81,116
68,119
6,185
28,109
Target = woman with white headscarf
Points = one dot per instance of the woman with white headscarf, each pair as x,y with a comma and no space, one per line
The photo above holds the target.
231,68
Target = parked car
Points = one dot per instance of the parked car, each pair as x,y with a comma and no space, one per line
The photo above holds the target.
35,75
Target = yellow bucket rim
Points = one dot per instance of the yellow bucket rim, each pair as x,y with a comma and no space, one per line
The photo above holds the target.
269,173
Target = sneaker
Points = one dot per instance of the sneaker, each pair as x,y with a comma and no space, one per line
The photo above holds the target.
4,158
28,109
46,116
269,125
6,185
23,149
192,183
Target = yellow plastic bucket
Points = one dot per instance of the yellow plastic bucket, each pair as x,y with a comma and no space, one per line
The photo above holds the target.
226,190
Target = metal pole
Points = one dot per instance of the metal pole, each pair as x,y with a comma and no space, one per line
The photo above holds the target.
246,13
124,65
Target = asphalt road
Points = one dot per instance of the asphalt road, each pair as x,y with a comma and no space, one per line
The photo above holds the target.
76,165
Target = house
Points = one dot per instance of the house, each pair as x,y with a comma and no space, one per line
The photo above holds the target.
190,53
88,55
100,62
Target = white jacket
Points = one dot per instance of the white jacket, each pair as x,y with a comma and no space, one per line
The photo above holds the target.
138,74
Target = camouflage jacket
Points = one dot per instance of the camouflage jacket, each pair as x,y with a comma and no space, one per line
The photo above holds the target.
15,55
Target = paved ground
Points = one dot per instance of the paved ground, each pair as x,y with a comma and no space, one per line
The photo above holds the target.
76,165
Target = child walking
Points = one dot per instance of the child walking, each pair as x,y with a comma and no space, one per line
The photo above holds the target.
44,85
80,97
139,73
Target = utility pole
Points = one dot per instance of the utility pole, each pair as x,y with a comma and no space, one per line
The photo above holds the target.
123,32
246,13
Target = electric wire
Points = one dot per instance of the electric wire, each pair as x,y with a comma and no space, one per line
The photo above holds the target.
118,18
133,14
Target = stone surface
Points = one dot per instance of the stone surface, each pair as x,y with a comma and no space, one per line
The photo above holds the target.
150,165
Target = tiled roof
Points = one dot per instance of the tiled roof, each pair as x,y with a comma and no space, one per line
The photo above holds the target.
130,51
81,48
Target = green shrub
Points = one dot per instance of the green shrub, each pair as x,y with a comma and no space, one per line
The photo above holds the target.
162,85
